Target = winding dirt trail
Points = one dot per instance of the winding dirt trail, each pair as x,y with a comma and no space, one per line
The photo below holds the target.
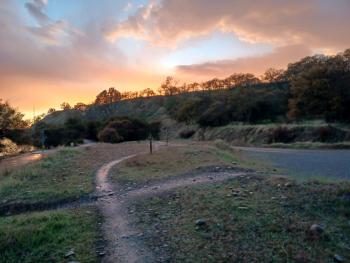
124,242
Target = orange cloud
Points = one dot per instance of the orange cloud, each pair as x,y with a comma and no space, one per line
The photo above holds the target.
279,58
317,23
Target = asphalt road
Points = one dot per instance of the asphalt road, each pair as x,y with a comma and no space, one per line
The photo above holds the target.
329,164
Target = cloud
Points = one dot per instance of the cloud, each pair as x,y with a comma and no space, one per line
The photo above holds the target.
28,51
279,58
36,9
319,23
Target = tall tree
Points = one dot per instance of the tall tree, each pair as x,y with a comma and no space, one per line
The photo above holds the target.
65,106
10,117
272,75
321,89
110,96
169,87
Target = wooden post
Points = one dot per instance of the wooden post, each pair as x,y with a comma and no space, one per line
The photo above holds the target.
150,144
167,137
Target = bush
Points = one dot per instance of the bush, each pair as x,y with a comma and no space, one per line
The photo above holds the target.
281,134
186,134
92,130
155,129
215,115
130,129
328,134
109,135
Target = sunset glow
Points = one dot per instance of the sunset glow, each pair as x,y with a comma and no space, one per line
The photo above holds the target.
61,50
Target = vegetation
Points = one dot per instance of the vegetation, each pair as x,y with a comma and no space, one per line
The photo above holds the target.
49,180
113,130
249,219
49,236
169,162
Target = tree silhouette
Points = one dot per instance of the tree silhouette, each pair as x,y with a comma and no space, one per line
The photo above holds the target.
65,106
110,96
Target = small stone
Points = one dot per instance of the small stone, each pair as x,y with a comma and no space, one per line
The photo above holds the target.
338,258
287,184
69,253
316,229
101,254
200,222
234,163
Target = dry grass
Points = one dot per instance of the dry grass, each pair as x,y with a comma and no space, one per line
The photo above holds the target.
249,219
170,161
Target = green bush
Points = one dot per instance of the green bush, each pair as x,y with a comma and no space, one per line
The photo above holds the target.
109,135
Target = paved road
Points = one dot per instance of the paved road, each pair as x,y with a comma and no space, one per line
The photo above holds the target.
330,164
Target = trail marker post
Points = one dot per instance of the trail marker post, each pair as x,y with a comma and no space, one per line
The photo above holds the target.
167,136
150,144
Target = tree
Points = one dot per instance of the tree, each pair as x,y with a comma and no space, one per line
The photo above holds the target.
321,90
110,96
11,118
80,106
272,75
169,87
65,106
241,79
51,110
147,93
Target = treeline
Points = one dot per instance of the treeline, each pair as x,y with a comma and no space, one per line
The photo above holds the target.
315,87
113,130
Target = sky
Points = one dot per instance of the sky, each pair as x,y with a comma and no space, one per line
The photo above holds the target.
69,50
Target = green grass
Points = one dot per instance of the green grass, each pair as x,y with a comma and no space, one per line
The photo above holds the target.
59,176
48,236
267,222
170,161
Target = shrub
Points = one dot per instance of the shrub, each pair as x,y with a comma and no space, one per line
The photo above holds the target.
109,135
130,129
186,134
155,129
328,134
281,134
215,115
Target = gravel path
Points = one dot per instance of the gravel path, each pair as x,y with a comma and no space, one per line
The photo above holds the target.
330,164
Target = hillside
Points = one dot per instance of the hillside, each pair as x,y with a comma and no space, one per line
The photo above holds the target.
148,109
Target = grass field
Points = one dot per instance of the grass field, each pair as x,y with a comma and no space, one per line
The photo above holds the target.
57,177
249,219
170,161
49,236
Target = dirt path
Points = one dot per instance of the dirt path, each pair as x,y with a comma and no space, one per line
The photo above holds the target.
124,242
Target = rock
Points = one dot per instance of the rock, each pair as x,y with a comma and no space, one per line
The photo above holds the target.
316,229
287,184
73,262
101,254
242,208
338,258
69,253
200,222
234,163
